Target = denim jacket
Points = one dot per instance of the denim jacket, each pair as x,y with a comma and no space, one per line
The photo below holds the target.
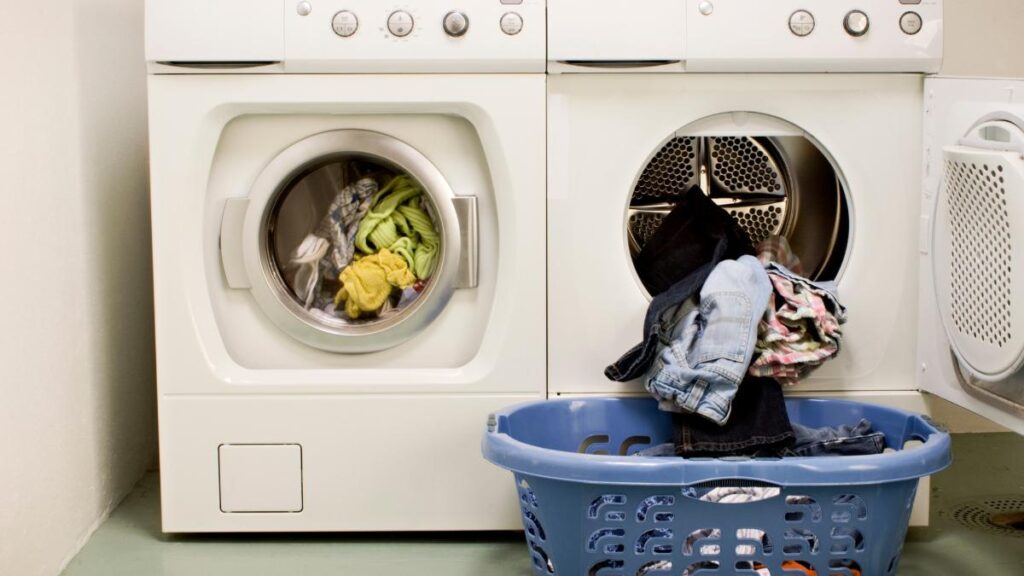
711,348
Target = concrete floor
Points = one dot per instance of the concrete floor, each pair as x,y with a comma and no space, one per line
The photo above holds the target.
130,542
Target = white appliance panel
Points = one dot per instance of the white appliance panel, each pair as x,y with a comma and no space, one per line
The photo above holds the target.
215,30
366,464
498,37
358,420
870,126
745,35
215,351
616,30
756,36
988,333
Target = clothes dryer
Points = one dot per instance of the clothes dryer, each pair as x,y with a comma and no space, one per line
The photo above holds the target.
803,120
348,268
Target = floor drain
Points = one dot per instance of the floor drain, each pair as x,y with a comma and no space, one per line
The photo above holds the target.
998,514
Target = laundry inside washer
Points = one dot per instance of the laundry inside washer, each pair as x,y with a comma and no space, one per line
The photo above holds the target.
770,185
354,240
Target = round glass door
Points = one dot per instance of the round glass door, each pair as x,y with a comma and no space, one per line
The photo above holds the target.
351,241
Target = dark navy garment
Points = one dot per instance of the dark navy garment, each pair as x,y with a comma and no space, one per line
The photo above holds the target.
759,424
673,265
695,438
689,237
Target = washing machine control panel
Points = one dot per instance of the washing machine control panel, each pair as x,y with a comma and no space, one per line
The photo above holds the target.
748,35
422,36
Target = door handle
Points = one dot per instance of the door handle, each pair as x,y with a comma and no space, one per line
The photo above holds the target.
231,257
469,238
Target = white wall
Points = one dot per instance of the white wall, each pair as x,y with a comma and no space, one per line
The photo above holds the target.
984,38
77,417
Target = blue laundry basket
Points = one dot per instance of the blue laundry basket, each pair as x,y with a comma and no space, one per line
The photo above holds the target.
591,509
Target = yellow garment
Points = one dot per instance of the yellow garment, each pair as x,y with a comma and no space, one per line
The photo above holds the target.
368,281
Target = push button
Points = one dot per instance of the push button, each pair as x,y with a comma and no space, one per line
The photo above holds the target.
801,23
511,23
345,24
911,23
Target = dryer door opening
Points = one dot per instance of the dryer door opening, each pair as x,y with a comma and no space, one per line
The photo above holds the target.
350,241
770,176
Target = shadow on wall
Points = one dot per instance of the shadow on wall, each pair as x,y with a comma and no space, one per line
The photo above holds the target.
114,180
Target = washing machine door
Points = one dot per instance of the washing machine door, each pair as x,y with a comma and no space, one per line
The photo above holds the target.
350,241
972,327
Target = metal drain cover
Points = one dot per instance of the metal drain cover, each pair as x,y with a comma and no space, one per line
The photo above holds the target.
995,514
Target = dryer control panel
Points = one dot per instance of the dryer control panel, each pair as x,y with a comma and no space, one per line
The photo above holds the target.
748,35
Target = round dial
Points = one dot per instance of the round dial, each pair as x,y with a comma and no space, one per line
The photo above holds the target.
857,23
455,23
400,23
801,23
911,23
511,23
345,23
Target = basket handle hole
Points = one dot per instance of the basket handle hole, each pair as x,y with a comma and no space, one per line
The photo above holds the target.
731,491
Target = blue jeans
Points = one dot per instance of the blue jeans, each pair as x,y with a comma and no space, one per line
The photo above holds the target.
844,440
841,441
711,348
663,315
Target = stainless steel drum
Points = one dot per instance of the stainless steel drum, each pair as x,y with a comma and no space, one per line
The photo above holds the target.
770,185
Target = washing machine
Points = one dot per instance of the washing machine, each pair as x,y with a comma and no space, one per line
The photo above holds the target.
294,142
814,120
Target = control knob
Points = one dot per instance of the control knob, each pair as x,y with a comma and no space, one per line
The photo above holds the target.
455,23
801,23
400,23
857,23
911,23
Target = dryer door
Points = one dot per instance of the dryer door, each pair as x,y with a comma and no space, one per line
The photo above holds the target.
971,338
350,241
